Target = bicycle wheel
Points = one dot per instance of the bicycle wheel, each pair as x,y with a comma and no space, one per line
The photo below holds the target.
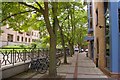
42,68
31,66
58,62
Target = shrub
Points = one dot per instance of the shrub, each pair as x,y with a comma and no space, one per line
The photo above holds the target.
33,45
22,46
10,47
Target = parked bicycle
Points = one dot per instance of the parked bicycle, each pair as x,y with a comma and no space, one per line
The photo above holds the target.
46,60
58,62
38,65
42,64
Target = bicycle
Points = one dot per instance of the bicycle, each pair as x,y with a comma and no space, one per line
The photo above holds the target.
58,62
41,65
46,60
38,65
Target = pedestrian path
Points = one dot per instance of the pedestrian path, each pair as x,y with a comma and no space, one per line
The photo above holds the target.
79,66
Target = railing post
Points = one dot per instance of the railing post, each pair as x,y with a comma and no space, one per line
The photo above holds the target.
13,56
15,61
0,63
24,55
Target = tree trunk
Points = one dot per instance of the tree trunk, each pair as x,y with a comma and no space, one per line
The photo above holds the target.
52,53
64,49
63,45
65,56
71,49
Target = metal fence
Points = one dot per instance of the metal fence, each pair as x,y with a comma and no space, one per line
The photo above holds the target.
13,56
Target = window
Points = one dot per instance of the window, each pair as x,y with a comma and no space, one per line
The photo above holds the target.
22,39
10,37
91,11
25,39
96,17
105,7
90,16
97,46
29,39
91,24
17,38
119,18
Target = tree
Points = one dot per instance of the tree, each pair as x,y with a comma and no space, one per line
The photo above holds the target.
31,15
73,15
73,24
18,14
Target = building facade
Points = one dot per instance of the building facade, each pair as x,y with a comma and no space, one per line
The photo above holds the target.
11,37
103,24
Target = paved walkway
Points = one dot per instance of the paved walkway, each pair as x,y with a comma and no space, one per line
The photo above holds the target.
79,66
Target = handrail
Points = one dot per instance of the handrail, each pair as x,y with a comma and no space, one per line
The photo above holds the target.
15,55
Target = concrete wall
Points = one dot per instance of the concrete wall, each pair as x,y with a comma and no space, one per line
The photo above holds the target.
10,71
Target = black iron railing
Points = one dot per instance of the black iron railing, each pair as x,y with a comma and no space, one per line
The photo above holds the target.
12,56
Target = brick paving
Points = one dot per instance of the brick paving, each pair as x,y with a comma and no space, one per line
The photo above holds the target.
79,66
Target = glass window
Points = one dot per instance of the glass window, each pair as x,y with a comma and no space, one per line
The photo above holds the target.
119,18
17,38
25,39
10,37
29,39
22,39
96,17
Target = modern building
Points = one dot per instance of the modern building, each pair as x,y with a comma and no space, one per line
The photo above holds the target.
11,37
104,36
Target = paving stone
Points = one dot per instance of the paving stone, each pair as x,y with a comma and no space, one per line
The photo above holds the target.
84,69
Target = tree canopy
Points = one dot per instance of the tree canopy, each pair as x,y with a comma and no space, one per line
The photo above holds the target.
56,21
